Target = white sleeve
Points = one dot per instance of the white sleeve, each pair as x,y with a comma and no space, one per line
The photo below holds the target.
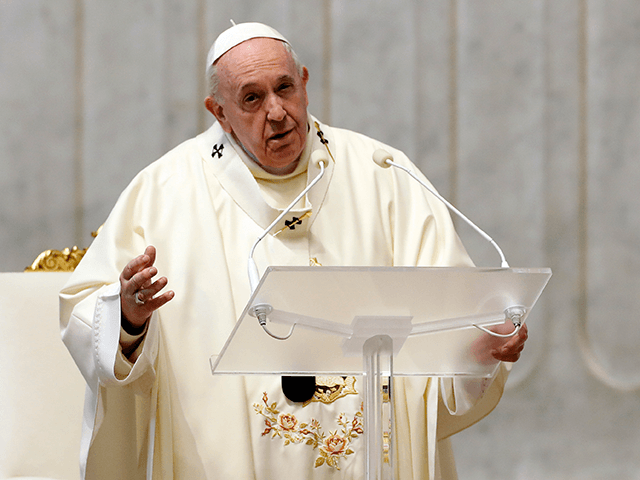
92,335
461,394
112,366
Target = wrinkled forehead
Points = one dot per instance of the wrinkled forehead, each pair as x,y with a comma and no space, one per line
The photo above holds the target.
258,61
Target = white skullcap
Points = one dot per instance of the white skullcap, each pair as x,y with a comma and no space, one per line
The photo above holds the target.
236,35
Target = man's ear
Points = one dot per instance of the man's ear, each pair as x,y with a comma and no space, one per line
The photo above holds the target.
305,79
217,110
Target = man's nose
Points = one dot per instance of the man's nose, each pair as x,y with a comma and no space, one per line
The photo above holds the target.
275,109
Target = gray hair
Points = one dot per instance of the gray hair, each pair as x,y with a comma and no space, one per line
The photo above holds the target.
214,79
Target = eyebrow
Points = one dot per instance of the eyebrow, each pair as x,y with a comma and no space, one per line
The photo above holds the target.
280,79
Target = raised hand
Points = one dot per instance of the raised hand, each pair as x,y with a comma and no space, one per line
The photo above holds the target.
138,290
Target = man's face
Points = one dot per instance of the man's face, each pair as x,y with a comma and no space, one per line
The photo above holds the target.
264,102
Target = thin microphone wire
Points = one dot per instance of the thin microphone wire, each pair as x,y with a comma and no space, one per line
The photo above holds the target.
386,159
504,263
254,276
500,335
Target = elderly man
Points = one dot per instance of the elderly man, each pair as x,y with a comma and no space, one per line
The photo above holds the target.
152,406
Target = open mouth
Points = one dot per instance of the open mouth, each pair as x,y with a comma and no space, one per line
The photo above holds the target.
279,136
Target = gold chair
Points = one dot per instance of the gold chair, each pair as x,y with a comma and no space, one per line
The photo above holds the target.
59,260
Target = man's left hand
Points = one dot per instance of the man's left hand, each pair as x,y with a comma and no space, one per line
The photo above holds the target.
510,350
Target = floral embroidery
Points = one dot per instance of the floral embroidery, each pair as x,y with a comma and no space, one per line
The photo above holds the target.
331,448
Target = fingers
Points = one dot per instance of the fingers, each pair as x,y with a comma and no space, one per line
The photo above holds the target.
505,354
135,266
156,302
141,280
138,290
512,349
148,290
150,251
139,263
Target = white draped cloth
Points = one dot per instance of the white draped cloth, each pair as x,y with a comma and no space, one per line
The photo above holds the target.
202,208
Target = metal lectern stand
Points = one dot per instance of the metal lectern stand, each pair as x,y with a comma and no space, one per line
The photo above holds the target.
377,322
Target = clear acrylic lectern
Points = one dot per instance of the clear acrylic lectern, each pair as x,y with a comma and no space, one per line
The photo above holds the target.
378,322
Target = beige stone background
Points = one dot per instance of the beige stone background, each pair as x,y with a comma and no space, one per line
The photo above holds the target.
524,113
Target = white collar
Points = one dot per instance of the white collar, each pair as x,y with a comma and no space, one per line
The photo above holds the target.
256,169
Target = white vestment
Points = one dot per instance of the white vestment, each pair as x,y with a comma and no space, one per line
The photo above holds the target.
202,209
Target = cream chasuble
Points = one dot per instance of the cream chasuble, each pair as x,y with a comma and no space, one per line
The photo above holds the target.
202,209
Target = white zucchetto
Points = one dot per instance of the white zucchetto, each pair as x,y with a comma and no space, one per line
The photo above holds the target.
237,34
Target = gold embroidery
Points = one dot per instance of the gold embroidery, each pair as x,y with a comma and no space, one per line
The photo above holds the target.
330,389
386,447
323,140
331,449
313,262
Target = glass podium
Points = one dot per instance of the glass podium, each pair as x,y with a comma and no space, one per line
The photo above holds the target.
378,322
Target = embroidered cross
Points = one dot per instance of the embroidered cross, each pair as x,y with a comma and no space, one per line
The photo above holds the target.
323,140
292,224
217,150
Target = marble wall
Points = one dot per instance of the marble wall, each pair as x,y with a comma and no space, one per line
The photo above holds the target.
525,114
